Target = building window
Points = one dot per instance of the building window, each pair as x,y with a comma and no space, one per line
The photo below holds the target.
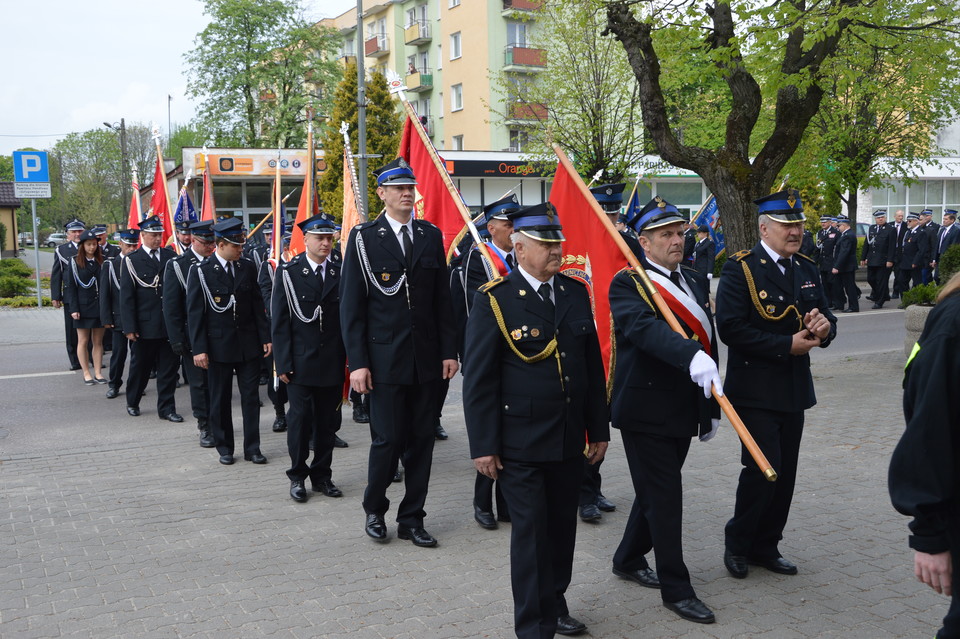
517,33
440,104
518,140
455,46
456,97
458,143
439,57
454,3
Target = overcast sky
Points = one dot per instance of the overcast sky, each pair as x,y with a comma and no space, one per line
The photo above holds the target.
69,66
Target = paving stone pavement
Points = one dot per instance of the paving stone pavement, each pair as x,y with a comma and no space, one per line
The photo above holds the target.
151,537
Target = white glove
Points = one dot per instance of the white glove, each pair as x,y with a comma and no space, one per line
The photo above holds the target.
714,426
709,276
703,371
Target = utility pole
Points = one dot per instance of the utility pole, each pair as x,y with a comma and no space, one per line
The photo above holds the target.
122,130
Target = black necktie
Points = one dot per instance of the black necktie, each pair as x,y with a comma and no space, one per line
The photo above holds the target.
509,261
407,246
544,291
675,278
319,274
230,272
787,265
153,255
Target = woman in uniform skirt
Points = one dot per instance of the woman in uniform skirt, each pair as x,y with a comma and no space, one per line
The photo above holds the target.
81,296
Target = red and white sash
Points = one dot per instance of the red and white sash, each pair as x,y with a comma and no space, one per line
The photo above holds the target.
685,308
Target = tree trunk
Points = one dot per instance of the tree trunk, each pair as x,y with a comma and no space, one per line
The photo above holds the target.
852,207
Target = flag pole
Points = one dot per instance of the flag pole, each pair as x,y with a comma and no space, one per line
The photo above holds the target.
166,193
354,181
636,184
396,86
768,472
136,187
276,209
269,216
596,176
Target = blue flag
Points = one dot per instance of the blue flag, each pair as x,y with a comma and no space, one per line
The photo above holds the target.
634,205
185,211
709,215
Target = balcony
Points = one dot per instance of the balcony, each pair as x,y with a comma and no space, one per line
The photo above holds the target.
419,81
515,8
520,59
526,112
417,33
376,46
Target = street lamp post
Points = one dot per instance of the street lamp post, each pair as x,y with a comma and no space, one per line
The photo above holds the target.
122,129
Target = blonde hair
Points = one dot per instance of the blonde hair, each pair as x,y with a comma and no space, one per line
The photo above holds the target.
951,287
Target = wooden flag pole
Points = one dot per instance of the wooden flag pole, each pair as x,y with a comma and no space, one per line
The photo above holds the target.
269,216
354,181
768,472
276,209
636,183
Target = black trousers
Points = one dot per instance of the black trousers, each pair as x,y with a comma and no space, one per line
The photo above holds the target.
590,486
542,498
879,279
848,284
199,388
150,354
220,379
656,519
70,332
827,279
402,420
118,357
313,417
762,506
484,490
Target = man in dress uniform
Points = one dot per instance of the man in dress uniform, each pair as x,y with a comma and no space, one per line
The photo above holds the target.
704,253
62,255
913,254
229,334
110,277
807,246
477,273
309,355
661,398
827,241
610,198
900,226
109,250
931,229
141,315
175,317
947,236
184,239
397,323
770,313
879,251
689,241
845,266
533,391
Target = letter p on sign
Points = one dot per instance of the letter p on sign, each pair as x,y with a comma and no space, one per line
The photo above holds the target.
30,166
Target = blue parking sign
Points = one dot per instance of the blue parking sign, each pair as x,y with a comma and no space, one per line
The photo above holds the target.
30,166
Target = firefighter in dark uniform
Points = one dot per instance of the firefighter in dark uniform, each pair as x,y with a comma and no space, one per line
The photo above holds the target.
108,251
827,238
931,229
660,400
770,313
309,355
807,246
141,315
110,276
397,323
61,262
184,239
175,315
229,334
845,266
879,251
533,392
913,254
705,253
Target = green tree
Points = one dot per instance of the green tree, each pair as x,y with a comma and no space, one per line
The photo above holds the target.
384,126
773,59
88,164
256,68
6,168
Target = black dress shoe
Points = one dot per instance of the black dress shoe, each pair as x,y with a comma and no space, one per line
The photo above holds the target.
280,424
112,392
328,488
397,476
375,527
877,305
484,518
691,609
644,576
75,367
778,565
297,491
439,433
605,504
226,460
256,458
262,380
172,417
736,564
339,443
418,536
360,414
206,439
590,513
567,625
870,297
852,310
133,411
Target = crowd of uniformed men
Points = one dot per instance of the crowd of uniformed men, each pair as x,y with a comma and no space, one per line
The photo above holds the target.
396,323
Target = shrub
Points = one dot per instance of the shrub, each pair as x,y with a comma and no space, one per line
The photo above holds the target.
718,264
922,295
949,262
12,286
23,301
14,267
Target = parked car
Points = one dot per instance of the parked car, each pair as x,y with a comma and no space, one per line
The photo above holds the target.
55,239
25,239
862,229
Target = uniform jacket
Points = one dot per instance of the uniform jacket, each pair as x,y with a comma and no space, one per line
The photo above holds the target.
111,273
807,246
175,296
61,259
109,250
880,246
704,256
265,277
827,239
256,253
916,251
845,253
78,299
652,389
142,308
758,327
952,233
689,241
538,411
932,230
900,234
237,334
400,341
311,352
